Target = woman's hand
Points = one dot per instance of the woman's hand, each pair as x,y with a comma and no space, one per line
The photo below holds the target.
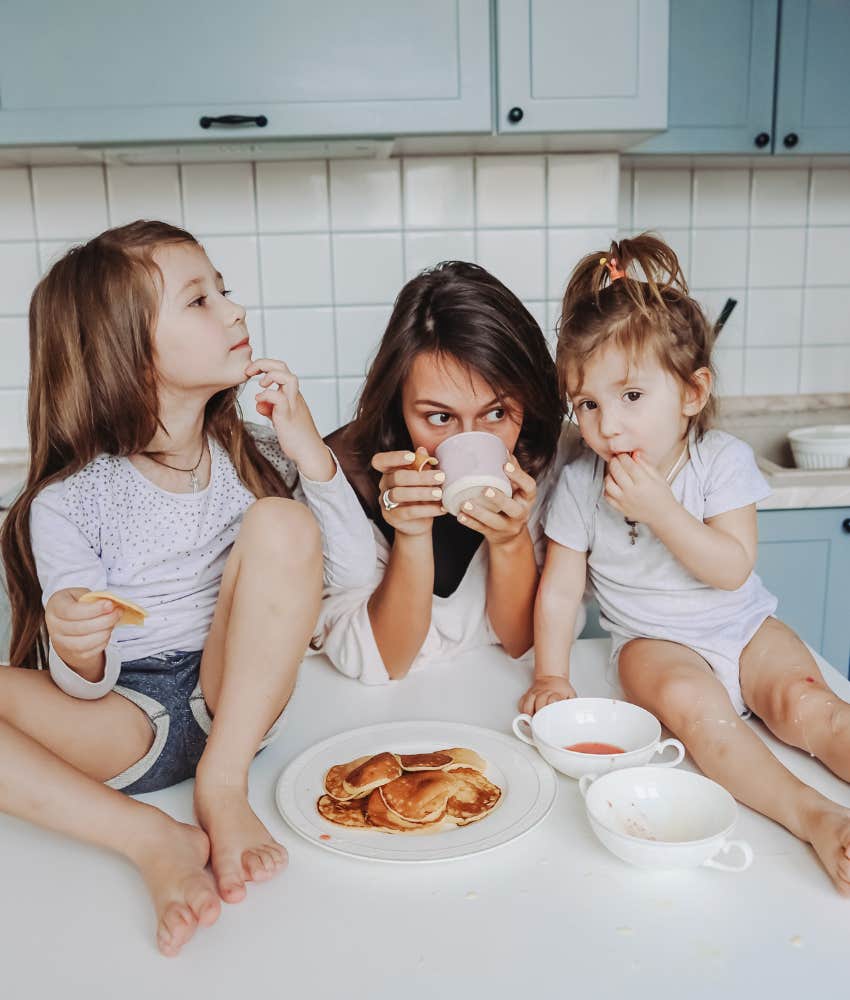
281,401
545,690
418,494
499,518
80,632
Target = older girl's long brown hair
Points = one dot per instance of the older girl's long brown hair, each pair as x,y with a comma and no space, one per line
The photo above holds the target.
461,311
92,390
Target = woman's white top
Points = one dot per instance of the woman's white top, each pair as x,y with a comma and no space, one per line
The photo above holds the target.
458,622
107,527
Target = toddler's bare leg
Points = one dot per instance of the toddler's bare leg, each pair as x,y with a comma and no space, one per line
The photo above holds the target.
267,609
784,687
677,685
38,786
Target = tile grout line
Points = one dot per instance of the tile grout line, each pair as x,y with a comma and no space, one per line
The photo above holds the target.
333,303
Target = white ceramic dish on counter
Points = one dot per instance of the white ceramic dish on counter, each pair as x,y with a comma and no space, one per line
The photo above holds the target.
595,720
664,819
823,447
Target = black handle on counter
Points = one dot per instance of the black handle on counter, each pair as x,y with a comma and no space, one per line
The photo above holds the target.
762,139
845,525
259,120
790,140
515,115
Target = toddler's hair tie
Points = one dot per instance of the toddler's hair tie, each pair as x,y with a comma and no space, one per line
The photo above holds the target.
614,270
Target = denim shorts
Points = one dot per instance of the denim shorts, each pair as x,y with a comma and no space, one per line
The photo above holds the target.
167,688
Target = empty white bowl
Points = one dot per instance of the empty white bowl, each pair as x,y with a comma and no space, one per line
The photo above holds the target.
824,447
595,720
664,819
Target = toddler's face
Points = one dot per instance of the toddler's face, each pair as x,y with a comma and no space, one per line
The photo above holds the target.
441,398
201,341
630,404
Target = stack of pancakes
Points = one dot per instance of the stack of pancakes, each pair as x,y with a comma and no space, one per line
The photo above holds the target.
409,793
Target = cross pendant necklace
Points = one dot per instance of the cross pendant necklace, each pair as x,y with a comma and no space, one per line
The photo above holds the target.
671,475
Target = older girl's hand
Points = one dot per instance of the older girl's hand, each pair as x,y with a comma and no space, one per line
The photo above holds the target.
545,690
502,519
281,401
80,632
408,500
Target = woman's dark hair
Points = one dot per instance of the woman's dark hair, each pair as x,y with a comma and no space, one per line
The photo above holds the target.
460,311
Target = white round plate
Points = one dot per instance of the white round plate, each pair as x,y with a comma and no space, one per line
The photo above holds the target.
528,790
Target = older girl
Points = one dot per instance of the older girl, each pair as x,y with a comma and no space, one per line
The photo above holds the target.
144,482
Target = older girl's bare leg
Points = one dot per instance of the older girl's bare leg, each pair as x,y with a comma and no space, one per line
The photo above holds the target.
267,609
40,787
677,685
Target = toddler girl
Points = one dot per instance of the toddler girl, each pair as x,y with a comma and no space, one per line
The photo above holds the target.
660,510
144,482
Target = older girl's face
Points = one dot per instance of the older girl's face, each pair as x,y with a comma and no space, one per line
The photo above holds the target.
441,398
201,340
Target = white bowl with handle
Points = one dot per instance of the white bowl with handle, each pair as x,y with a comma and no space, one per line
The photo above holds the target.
595,720
656,818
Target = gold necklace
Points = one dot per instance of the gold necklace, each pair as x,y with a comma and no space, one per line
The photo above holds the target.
671,475
193,472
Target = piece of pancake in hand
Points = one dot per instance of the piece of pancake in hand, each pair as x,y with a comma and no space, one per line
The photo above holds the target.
358,777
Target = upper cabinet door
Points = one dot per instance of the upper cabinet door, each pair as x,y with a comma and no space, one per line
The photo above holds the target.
722,65
813,92
101,71
574,66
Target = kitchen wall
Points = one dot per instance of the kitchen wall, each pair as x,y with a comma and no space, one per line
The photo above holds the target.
318,250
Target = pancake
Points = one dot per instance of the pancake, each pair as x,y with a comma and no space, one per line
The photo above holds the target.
131,614
473,797
382,818
443,760
351,814
419,797
357,778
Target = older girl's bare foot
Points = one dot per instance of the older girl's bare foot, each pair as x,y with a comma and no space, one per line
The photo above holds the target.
241,848
828,831
172,859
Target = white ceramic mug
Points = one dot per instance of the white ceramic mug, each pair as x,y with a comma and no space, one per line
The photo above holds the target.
597,720
471,462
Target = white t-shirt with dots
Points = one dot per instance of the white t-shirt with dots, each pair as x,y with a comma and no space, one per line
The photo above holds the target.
107,527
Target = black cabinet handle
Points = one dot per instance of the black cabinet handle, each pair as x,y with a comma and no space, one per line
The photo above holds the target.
259,120
790,140
515,115
845,525
762,139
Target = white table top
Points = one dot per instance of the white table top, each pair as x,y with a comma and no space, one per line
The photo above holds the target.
553,912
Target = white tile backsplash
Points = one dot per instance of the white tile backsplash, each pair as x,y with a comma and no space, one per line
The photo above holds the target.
510,190
70,202
584,190
219,198
318,250
16,213
439,192
365,194
149,192
292,197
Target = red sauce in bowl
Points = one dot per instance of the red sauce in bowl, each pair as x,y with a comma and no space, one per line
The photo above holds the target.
599,748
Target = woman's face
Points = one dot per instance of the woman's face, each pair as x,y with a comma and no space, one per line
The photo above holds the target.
441,398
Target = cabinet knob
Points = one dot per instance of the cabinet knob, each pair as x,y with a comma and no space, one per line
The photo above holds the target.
259,120
790,140
515,115
762,139
845,525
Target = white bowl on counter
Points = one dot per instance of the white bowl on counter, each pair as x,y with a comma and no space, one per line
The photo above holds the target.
664,819
823,447
594,720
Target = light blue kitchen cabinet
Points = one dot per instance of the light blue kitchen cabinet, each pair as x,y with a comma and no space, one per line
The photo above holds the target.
722,68
804,558
813,85
574,66
106,72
